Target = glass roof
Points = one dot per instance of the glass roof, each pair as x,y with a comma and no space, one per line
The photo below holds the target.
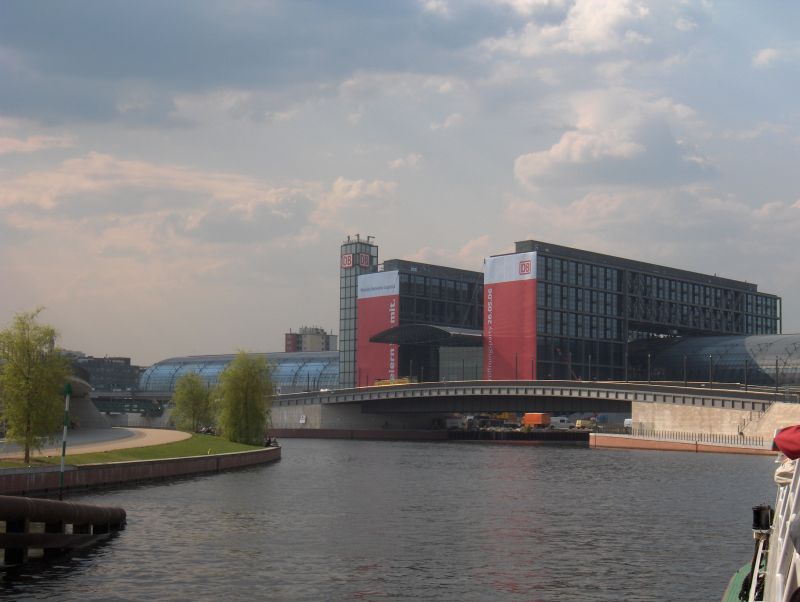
291,372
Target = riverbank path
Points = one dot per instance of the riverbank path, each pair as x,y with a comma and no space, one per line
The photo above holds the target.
82,441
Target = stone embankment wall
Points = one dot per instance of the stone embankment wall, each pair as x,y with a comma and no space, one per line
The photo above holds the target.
43,481
695,419
692,419
779,415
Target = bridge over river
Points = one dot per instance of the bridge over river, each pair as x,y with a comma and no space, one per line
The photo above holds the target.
413,405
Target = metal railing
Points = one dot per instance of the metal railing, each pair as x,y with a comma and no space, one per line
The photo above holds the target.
714,438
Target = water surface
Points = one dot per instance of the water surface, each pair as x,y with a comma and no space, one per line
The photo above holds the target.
353,520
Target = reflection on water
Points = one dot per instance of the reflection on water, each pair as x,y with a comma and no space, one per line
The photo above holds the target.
350,520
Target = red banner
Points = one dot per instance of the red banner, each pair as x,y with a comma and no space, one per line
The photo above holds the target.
509,317
378,309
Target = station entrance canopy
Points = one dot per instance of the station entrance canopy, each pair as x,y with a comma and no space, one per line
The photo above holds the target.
429,334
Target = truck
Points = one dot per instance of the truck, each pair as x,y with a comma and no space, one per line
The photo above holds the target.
585,423
560,423
536,420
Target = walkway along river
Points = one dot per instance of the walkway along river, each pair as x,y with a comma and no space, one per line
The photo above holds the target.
343,520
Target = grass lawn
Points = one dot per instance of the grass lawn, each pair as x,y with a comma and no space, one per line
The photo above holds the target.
196,445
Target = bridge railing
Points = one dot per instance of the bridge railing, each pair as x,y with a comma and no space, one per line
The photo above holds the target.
712,438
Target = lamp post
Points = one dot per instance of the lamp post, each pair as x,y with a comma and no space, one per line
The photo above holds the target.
648,368
626,362
685,378
710,371
67,394
746,370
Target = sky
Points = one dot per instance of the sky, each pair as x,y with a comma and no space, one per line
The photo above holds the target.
176,177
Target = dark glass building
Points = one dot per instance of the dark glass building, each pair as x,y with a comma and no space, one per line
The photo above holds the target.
591,307
440,317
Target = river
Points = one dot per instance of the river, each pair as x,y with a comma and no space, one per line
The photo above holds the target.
359,520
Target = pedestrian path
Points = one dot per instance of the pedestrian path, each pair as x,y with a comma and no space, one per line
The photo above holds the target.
81,441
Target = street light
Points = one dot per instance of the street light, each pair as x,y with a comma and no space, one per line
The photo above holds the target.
685,379
710,371
648,368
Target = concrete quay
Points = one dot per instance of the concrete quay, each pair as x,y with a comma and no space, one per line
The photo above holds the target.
46,480
604,440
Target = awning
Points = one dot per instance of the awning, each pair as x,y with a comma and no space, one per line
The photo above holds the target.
428,334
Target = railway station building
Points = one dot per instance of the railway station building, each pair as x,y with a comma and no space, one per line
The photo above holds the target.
547,312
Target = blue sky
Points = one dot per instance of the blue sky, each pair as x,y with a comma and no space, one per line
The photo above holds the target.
176,177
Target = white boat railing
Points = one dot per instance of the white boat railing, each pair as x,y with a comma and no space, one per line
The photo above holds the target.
782,572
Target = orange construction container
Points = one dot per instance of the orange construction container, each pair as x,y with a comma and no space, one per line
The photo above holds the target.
535,419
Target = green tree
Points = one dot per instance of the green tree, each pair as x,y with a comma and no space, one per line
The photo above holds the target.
32,377
192,403
245,398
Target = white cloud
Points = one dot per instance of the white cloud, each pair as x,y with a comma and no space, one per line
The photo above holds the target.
230,199
608,125
685,25
766,58
412,160
528,7
589,27
33,144
437,7
469,256
364,85
452,120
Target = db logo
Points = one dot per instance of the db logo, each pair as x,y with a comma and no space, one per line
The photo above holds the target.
347,260
363,260
525,267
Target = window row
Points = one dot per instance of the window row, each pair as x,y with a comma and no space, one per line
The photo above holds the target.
576,273
554,296
577,325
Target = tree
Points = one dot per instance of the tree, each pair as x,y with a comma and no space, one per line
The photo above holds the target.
32,378
192,403
245,398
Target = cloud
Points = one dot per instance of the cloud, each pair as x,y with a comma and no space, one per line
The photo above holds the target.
684,24
437,7
669,226
616,135
529,7
32,144
346,196
412,160
588,27
469,256
212,206
451,121
766,57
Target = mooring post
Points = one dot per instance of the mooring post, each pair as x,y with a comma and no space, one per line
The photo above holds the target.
53,527
16,555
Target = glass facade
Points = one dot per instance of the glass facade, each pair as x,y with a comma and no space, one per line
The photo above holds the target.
291,372
439,296
357,257
756,360
591,307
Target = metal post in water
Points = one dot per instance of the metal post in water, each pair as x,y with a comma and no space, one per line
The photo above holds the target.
67,394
